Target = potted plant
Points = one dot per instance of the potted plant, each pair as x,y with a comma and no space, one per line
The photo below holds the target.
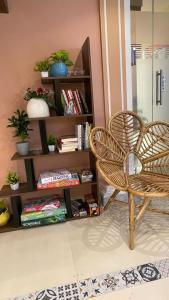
4,214
60,63
13,180
51,143
43,66
37,106
20,122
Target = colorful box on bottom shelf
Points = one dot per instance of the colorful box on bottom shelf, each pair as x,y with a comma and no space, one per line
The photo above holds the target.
43,214
42,203
45,221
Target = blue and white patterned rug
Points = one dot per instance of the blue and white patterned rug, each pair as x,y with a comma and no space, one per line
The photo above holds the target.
106,283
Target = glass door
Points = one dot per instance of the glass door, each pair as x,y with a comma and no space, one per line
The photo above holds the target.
150,60
142,60
160,60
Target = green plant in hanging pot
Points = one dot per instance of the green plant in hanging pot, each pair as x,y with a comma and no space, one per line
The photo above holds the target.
20,122
38,102
43,67
13,180
4,214
60,63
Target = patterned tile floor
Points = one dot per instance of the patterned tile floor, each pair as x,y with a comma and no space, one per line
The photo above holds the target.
106,283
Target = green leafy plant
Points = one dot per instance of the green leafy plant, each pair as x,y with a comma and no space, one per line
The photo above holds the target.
20,122
42,66
12,178
51,140
61,56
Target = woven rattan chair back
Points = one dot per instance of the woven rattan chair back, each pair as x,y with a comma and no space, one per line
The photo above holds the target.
126,128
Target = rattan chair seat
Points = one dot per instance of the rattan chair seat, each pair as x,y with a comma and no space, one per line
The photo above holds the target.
148,185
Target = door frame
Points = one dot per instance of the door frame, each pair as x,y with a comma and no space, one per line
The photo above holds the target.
116,55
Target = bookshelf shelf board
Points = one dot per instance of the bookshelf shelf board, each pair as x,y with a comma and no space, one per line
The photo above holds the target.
77,218
23,190
39,153
59,118
10,227
66,79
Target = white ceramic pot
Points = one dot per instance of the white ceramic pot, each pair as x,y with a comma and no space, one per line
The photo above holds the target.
37,108
44,74
51,148
14,186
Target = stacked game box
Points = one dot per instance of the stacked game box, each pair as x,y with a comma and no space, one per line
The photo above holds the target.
57,178
43,211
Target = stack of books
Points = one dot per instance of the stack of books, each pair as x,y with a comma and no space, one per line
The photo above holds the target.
82,133
43,211
57,178
68,144
76,100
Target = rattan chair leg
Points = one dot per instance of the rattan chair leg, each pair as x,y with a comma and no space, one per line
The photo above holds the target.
131,220
143,208
111,199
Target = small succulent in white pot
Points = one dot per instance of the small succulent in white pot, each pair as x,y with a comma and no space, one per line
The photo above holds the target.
43,67
13,180
51,143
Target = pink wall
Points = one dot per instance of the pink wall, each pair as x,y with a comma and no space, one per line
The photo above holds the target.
32,30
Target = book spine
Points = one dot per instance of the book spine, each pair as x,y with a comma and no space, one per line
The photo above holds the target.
45,221
86,135
76,103
84,102
67,150
64,140
79,101
79,130
65,97
64,104
71,101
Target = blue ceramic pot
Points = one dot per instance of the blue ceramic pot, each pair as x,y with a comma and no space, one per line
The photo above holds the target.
58,69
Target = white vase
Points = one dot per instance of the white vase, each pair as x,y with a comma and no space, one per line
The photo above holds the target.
51,148
37,108
14,186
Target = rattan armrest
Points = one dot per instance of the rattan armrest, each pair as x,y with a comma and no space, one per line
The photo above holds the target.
113,174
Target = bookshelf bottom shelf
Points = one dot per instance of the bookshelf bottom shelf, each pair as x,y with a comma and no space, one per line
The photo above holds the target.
10,226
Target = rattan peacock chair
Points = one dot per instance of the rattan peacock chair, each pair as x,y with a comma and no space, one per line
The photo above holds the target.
150,144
